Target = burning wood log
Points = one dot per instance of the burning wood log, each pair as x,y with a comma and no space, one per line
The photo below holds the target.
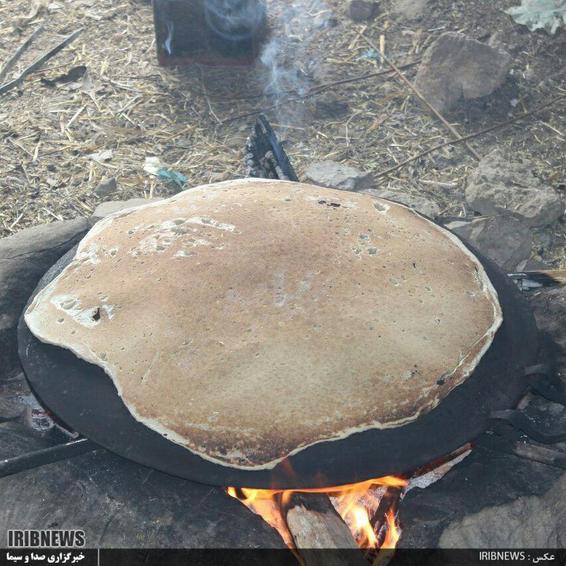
388,502
314,524
343,519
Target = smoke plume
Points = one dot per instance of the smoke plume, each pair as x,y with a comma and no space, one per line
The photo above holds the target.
285,59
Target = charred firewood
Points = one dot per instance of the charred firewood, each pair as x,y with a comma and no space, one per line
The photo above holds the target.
528,280
314,524
264,155
549,455
389,501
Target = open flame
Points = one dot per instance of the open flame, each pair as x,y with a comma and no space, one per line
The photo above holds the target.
393,532
357,504
369,508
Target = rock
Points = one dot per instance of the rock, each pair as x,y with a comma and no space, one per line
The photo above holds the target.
362,10
528,522
106,187
507,39
455,66
14,396
147,509
24,258
504,239
110,207
502,185
420,203
543,240
482,481
337,176
409,9
219,177
532,264
549,306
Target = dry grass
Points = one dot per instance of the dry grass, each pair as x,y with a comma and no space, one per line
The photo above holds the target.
188,117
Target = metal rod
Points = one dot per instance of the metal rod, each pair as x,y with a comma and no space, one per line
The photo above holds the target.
24,462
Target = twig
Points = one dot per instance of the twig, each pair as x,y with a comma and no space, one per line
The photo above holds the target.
39,62
315,91
468,137
449,126
205,91
364,77
18,53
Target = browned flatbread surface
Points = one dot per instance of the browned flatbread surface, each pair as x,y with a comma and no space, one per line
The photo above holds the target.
249,319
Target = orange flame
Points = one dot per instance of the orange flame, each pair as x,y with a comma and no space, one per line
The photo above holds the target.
393,533
355,503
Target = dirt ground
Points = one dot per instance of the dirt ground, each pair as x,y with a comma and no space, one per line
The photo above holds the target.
126,108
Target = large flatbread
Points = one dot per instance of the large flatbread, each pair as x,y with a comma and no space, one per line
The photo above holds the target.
250,319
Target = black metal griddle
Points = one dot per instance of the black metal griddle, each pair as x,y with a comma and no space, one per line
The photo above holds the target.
85,399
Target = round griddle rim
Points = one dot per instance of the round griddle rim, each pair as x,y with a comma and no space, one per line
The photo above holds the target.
321,465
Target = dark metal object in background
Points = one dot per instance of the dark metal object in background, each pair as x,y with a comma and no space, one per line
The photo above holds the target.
264,155
210,32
